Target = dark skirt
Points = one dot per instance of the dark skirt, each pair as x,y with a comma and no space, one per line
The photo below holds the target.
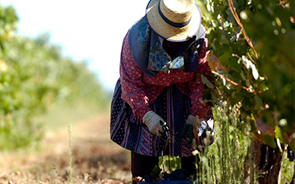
173,106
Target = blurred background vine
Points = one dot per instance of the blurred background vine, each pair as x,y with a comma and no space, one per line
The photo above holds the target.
34,77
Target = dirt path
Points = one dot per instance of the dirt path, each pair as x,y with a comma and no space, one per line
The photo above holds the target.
95,159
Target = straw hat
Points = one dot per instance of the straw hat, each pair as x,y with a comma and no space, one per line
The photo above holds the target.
175,20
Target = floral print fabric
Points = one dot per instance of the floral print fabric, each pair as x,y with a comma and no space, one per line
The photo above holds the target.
140,91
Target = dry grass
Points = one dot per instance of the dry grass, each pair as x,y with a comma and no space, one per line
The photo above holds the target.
95,158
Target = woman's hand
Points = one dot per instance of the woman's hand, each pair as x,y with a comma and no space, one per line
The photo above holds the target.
195,122
154,122
191,128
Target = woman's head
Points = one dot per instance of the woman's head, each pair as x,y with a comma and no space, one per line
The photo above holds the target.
174,20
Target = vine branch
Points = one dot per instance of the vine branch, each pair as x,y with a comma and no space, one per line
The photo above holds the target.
236,84
233,11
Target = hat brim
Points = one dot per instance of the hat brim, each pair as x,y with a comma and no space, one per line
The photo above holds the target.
167,31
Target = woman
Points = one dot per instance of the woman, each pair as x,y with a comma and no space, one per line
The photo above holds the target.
159,93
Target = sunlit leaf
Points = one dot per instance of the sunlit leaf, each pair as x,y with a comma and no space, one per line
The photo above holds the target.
206,82
279,135
269,140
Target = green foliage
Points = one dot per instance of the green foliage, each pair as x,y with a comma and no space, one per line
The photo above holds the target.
170,163
8,22
228,159
254,41
33,76
225,161
286,169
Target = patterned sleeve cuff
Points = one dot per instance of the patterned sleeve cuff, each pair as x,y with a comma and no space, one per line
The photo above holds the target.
140,112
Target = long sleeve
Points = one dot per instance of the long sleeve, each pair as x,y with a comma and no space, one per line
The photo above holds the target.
131,80
199,107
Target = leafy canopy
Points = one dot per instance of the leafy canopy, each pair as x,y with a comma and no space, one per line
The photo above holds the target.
254,43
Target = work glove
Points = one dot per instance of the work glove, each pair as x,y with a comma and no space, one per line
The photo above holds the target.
155,123
191,128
